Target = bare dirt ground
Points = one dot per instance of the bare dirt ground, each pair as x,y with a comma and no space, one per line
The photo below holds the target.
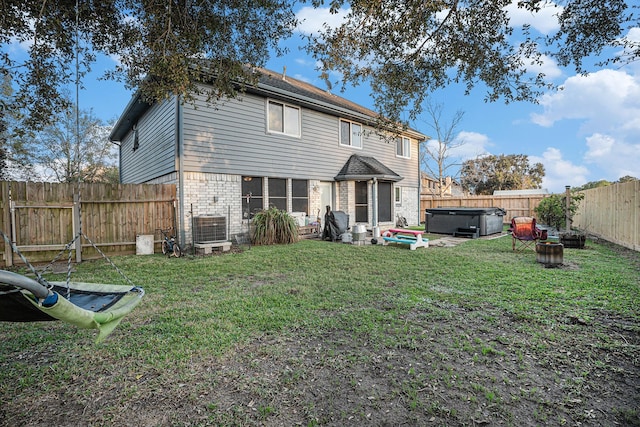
464,370
446,366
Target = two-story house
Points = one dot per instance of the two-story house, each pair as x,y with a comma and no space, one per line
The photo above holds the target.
283,143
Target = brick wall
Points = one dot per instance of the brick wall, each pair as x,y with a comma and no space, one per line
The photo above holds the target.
408,207
218,195
213,194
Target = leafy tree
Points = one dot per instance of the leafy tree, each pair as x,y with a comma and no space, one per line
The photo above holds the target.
409,48
15,150
109,175
486,174
604,183
593,184
404,48
161,45
627,178
436,154
76,149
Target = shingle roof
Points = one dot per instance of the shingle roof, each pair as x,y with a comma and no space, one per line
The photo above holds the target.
365,168
280,86
304,91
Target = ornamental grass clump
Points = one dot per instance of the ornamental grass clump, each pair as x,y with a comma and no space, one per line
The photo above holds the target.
273,226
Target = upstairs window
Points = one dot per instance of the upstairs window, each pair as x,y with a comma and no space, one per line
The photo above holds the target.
403,147
350,134
283,119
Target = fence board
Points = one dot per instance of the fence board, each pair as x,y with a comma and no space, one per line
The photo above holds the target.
112,215
612,213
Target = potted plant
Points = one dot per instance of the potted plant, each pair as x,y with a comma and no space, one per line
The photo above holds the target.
573,239
552,211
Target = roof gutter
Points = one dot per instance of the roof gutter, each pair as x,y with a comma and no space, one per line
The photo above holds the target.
325,107
132,112
363,177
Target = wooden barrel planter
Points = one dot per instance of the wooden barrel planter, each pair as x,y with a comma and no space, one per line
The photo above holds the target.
573,240
550,254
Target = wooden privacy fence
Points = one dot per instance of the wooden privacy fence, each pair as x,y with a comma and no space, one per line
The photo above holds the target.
513,205
42,218
612,213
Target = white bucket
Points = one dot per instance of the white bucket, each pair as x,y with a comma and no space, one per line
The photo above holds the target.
359,233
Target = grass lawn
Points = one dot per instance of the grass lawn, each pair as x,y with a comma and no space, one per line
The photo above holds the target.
320,333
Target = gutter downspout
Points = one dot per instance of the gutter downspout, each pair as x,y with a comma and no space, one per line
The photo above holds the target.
180,167
419,182
374,216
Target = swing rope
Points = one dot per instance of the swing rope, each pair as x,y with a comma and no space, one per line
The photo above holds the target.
69,245
15,249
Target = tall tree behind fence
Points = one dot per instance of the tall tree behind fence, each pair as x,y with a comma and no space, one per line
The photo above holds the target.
612,213
41,218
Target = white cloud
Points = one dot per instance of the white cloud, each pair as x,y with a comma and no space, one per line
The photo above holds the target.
549,67
312,20
559,172
606,104
604,99
545,21
473,144
599,145
617,158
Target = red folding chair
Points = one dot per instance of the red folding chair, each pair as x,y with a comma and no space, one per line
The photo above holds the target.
524,233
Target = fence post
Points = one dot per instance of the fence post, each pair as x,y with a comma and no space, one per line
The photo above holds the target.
6,222
77,231
567,212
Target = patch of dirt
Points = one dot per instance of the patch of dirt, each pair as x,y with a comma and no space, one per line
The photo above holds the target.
463,369
439,365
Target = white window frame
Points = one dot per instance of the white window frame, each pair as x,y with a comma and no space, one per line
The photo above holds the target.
406,147
351,132
285,106
398,195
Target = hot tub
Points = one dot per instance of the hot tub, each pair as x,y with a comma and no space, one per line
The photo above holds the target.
449,220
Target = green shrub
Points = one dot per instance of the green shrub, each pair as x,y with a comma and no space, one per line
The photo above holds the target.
274,226
551,210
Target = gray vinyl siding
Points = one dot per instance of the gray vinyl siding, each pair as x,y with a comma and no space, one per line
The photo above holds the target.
156,154
232,139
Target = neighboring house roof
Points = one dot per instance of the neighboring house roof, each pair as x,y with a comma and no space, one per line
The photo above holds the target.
360,168
276,85
529,192
428,177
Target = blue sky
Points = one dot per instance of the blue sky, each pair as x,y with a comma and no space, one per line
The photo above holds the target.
588,131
